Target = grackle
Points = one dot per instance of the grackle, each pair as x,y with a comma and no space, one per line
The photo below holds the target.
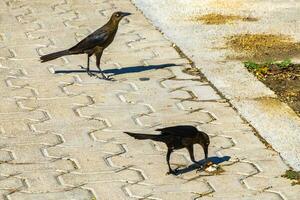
178,137
95,43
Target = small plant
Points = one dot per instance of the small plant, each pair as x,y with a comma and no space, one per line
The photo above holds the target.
292,175
251,65
262,70
285,63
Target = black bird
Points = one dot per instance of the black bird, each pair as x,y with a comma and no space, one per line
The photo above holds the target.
95,43
178,137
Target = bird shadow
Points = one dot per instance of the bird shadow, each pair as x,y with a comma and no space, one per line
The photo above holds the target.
124,70
194,166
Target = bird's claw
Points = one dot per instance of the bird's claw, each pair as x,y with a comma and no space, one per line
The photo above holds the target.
173,172
108,78
201,168
170,172
104,77
90,73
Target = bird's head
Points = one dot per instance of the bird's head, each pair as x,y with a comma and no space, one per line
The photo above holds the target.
117,16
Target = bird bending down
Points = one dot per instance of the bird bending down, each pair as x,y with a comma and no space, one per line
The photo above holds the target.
178,137
95,43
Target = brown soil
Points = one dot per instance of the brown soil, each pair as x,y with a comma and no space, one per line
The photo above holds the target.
262,47
285,82
215,19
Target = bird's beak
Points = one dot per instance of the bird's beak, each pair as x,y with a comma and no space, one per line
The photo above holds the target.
124,14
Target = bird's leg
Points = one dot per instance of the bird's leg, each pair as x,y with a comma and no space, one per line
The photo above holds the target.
168,161
88,66
205,149
191,152
98,58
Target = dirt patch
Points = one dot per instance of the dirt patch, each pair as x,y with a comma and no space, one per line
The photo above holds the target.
262,47
216,19
281,77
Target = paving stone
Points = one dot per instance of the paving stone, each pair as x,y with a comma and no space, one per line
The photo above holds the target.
10,182
77,193
119,189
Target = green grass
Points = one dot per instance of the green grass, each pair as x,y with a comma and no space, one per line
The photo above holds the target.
292,175
262,69
282,64
285,63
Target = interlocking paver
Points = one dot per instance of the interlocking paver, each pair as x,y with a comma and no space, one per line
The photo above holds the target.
76,193
10,168
61,132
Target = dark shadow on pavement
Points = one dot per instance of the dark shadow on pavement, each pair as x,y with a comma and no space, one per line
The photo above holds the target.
125,70
215,160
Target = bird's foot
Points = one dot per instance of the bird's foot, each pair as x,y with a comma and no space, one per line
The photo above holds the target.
173,172
200,168
90,73
100,77
108,78
105,77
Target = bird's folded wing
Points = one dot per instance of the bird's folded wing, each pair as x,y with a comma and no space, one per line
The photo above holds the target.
182,131
90,42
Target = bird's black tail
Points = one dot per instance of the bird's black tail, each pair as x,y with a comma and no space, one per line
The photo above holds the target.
140,136
55,55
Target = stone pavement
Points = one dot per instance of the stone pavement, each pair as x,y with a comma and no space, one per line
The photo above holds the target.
61,130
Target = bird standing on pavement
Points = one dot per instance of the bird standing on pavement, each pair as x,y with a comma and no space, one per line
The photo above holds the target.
178,137
95,43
